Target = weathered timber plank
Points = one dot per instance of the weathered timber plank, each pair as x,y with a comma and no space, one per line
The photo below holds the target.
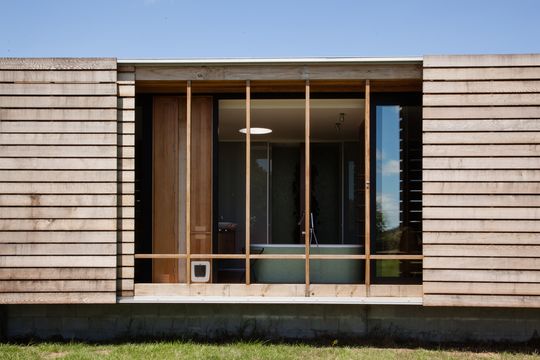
126,90
480,238
482,225
481,150
477,175
463,250
481,99
516,204
53,237
61,151
523,276
395,290
125,284
495,73
126,115
481,125
110,127
488,187
58,163
31,286
479,112
33,102
58,64
59,224
126,103
60,188
58,139
125,248
478,163
55,261
484,288
481,138
63,212
64,273
482,300
58,249
59,298
481,60
487,263
504,213
280,72
58,114
52,76
64,199
472,87
125,272
64,176
125,260
126,76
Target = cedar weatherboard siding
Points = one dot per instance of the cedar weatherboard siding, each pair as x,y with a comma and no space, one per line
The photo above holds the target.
59,207
481,180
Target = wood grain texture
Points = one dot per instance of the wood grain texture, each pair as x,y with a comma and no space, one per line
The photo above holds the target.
474,87
472,61
201,175
279,72
32,64
165,182
481,180
126,176
59,180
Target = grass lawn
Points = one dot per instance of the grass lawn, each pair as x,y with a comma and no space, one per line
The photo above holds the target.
242,350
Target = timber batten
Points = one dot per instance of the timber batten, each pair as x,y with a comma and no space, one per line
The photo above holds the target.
58,181
481,173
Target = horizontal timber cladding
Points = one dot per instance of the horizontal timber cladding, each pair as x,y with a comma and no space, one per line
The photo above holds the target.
280,72
481,173
126,177
62,165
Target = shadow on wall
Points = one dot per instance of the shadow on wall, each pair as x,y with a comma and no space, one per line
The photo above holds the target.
220,322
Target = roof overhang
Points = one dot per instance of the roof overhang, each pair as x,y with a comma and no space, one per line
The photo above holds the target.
271,61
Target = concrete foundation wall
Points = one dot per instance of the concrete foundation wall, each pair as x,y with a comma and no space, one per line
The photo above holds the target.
211,321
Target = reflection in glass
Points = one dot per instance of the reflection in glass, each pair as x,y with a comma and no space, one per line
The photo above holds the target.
396,271
398,180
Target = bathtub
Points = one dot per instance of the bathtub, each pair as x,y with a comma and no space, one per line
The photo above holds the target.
321,271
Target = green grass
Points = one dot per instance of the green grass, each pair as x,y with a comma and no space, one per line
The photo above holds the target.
242,350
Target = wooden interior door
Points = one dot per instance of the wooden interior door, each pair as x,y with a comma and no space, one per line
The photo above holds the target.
201,175
168,187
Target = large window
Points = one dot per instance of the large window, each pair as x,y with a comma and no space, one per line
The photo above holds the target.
280,188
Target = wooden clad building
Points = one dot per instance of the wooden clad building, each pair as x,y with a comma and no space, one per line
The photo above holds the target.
331,180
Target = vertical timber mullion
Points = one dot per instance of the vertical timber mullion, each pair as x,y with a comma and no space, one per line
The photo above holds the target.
188,181
367,191
248,181
307,211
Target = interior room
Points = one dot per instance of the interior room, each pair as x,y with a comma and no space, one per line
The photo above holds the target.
277,187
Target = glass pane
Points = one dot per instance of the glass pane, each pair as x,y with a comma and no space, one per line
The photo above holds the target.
337,172
231,191
346,271
276,175
278,271
397,218
337,189
396,271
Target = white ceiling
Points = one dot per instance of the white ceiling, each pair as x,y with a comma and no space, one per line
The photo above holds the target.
286,118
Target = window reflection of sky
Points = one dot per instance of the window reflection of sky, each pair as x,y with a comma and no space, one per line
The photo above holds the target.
387,163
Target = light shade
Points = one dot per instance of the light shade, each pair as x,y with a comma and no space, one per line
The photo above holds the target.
256,131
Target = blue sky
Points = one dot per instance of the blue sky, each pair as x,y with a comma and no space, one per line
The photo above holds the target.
276,28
